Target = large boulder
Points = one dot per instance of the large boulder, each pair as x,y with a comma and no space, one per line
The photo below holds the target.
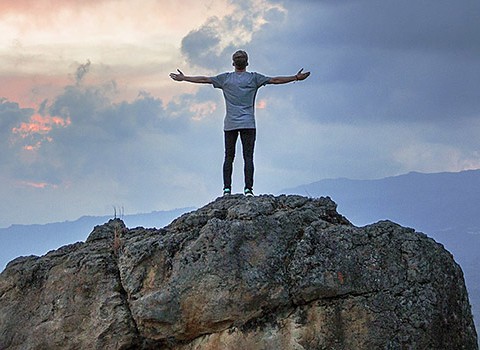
266,272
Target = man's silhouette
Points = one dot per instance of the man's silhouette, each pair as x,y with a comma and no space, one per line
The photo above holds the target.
239,90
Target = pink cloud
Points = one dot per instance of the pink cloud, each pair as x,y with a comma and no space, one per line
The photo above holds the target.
151,16
40,125
35,131
42,6
36,185
261,104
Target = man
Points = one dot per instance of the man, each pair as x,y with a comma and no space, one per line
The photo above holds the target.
239,90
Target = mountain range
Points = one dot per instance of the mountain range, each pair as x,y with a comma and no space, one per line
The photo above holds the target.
22,240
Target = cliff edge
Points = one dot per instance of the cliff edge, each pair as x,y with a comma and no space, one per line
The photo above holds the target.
267,272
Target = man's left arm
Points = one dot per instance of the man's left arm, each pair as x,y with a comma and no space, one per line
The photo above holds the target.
289,79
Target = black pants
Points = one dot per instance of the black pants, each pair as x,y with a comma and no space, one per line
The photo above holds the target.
247,136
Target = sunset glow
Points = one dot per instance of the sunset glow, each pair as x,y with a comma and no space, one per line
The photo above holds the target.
86,99
40,125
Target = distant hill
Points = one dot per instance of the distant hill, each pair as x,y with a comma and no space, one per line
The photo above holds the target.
431,200
21,240
445,206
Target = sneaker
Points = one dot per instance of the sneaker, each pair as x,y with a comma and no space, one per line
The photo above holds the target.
227,192
248,192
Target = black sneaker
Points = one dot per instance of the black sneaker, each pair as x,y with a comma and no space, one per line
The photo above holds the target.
248,192
227,192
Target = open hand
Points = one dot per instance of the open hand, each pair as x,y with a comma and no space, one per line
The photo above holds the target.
177,76
302,76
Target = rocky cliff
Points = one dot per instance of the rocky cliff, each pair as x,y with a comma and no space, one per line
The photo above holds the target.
240,273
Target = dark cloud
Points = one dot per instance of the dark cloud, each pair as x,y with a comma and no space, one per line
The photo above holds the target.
101,131
212,45
10,115
379,61
201,46
416,25
419,25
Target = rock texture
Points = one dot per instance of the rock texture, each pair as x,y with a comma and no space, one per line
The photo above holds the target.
266,272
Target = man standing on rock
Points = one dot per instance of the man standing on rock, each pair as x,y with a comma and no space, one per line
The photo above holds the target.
239,90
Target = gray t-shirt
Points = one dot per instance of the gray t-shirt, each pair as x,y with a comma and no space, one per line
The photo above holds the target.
239,90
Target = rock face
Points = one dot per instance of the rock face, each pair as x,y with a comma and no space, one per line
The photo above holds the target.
240,273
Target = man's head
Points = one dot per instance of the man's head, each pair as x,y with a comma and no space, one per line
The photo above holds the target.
240,59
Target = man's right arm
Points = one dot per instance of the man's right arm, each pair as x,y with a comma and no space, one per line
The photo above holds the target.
195,79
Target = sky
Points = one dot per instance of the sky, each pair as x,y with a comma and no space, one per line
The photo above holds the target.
91,121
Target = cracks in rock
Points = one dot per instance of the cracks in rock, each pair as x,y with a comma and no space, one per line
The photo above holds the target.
270,316
125,298
277,317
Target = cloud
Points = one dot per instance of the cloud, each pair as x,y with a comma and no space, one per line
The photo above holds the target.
83,133
11,116
43,41
375,62
410,25
35,132
85,147
393,89
218,37
201,47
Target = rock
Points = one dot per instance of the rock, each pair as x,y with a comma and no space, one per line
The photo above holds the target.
266,272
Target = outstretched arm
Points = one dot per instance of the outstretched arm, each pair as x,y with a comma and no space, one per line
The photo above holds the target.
289,79
198,79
